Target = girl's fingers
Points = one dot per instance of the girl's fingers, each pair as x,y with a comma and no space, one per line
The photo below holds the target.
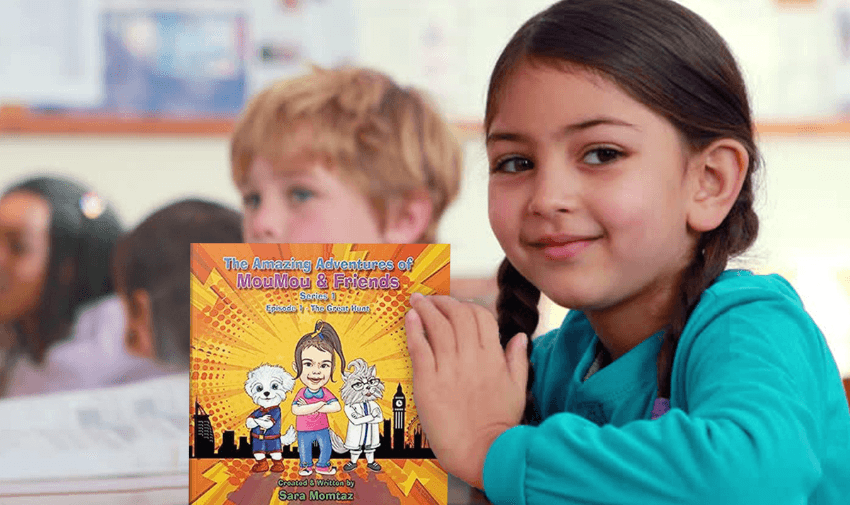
421,355
437,328
517,358
488,329
462,320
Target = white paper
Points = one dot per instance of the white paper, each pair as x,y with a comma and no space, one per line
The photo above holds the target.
139,429
51,52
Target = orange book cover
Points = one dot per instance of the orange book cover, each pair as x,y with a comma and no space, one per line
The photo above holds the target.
301,387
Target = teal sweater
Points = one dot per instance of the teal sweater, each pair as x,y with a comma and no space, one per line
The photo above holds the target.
758,413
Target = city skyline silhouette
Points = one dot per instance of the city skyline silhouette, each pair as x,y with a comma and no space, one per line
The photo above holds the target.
393,438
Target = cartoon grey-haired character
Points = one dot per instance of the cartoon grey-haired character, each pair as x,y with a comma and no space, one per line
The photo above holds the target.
361,389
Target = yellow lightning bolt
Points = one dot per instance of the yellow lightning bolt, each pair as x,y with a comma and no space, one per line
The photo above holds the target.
413,474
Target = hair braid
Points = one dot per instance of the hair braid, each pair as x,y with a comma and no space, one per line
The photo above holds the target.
734,235
516,307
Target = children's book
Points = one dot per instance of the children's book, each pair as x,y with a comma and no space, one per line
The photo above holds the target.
301,384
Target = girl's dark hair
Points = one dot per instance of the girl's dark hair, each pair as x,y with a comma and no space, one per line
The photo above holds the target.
324,338
80,244
673,62
155,257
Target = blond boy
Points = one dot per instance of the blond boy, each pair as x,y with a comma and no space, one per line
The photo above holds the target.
343,155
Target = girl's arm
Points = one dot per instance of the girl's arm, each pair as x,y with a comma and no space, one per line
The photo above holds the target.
309,408
748,433
331,406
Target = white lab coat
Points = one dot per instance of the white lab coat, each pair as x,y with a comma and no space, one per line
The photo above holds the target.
363,429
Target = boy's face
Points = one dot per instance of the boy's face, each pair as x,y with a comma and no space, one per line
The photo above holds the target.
305,203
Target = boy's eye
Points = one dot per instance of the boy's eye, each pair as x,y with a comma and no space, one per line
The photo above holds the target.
513,164
300,195
601,156
251,200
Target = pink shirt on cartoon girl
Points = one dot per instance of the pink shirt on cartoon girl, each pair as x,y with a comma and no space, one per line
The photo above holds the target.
316,420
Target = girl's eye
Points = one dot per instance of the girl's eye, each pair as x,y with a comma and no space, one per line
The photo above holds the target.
325,365
300,195
251,200
602,155
513,164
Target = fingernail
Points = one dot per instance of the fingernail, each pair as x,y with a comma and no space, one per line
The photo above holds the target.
416,296
411,316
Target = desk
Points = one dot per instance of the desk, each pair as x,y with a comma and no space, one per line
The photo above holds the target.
461,493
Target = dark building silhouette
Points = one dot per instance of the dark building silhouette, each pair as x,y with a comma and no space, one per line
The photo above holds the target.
204,436
399,406
393,438
227,449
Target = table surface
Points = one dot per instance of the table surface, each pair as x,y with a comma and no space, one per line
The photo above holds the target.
461,493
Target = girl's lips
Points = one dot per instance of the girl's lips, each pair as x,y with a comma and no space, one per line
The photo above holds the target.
566,250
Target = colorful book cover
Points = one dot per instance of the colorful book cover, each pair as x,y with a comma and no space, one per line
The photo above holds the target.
301,387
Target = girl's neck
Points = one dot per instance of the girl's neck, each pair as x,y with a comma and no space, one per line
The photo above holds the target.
626,324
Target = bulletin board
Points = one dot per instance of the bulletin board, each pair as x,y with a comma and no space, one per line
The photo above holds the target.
180,67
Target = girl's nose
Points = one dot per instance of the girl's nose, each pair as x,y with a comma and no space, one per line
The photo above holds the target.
554,191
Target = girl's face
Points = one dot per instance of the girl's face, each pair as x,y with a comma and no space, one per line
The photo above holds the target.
307,204
24,253
316,366
587,192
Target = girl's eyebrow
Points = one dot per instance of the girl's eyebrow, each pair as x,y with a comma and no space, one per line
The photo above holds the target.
566,130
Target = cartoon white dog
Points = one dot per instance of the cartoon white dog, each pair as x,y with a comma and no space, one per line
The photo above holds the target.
267,385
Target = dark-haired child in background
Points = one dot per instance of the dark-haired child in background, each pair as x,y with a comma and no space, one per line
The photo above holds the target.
56,240
152,276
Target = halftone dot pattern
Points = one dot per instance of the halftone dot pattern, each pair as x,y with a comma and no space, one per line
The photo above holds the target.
233,332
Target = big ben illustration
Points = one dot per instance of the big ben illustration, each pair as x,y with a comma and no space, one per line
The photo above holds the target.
399,406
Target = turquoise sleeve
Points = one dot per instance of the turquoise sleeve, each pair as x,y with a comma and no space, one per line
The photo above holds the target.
744,430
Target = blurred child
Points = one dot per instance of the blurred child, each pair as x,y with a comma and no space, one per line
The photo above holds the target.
343,155
151,273
622,160
56,239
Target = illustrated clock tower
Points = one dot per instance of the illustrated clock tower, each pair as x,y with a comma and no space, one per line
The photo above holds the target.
399,406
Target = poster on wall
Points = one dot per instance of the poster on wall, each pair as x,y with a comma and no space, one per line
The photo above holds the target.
287,36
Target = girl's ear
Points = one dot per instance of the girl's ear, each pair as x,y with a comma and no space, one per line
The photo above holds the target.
139,338
295,367
407,218
715,178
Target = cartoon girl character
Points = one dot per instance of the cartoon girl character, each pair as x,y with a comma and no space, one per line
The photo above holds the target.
314,365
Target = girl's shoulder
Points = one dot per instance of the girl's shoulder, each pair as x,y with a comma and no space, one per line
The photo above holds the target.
742,309
756,295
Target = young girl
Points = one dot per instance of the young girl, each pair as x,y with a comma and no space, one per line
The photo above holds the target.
622,161
56,239
314,365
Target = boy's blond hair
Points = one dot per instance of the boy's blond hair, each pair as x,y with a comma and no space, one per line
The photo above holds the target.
387,140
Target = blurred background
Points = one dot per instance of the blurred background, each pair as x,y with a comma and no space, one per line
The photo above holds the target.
137,98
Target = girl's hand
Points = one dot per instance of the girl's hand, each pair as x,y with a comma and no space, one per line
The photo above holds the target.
467,390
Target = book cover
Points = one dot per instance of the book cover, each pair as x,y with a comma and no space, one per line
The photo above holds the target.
301,384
